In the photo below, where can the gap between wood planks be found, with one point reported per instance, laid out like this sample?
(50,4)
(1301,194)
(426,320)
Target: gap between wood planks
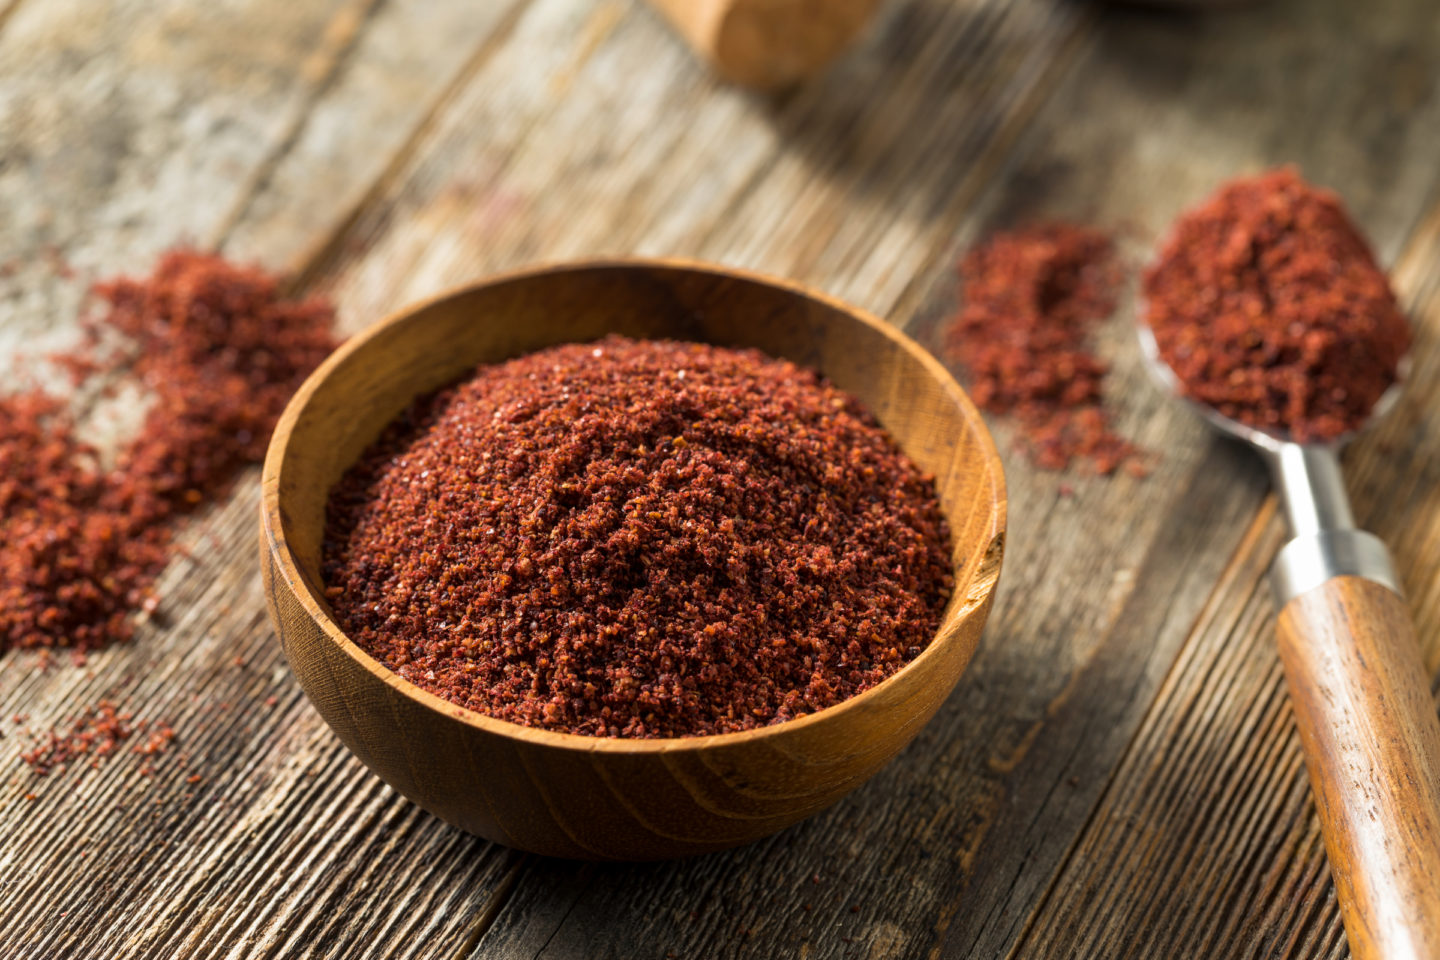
(518,862)
(326,255)
(1407,268)
(321,69)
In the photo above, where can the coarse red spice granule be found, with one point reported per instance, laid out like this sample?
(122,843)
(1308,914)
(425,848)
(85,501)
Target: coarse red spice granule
(638,539)
(1030,300)
(1267,303)
(220,351)
(158,742)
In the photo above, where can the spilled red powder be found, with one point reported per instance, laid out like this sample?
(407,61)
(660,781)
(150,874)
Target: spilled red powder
(94,735)
(158,741)
(1031,298)
(1267,303)
(220,351)
(639,539)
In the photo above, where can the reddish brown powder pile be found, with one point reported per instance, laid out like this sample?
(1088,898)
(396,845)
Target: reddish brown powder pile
(220,351)
(1267,303)
(1031,299)
(94,735)
(638,539)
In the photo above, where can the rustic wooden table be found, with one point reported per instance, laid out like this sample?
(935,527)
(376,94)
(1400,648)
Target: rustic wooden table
(1117,774)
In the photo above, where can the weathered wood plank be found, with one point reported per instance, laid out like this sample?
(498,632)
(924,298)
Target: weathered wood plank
(596,157)
(1208,836)
(409,63)
(127,128)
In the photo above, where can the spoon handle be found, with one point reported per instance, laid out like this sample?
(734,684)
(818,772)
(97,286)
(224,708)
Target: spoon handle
(1371,738)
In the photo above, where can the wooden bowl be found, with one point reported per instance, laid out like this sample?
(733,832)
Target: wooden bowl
(592,798)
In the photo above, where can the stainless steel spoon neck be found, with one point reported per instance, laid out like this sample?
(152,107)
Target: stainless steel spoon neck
(1307,477)
(1324,541)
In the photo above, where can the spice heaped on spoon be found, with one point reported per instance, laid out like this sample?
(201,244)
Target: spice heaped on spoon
(1268,305)
(1267,309)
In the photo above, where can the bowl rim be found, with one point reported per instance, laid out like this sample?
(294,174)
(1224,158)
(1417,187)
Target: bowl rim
(273,527)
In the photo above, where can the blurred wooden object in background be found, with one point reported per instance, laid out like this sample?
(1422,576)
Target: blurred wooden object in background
(768,44)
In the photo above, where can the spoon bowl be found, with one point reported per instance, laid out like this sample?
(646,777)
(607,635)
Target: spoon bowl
(573,796)
(1164,377)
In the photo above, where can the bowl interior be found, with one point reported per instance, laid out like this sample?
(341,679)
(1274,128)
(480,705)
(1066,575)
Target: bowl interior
(347,402)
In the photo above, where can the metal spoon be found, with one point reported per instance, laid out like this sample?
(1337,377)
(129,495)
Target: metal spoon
(1359,691)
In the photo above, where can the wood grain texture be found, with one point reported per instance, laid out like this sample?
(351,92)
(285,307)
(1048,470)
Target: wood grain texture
(128,127)
(1115,775)
(364,122)
(843,184)
(598,798)
(769,44)
(1361,699)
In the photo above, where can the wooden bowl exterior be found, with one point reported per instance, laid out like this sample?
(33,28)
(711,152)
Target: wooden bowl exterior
(591,798)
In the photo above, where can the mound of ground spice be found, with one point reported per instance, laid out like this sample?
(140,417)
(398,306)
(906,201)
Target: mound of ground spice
(220,351)
(1267,303)
(1031,298)
(638,539)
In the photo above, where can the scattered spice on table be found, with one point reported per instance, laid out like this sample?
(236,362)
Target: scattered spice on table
(220,350)
(1031,299)
(638,539)
(158,742)
(1269,306)
(94,735)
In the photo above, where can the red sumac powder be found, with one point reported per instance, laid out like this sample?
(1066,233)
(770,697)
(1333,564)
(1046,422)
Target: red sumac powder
(93,735)
(1031,298)
(220,351)
(638,539)
(1268,304)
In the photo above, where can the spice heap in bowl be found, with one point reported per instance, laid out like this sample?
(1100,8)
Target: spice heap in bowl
(638,539)
(630,560)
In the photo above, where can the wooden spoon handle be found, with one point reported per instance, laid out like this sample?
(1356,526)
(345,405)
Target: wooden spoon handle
(767,43)
(1372,746)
